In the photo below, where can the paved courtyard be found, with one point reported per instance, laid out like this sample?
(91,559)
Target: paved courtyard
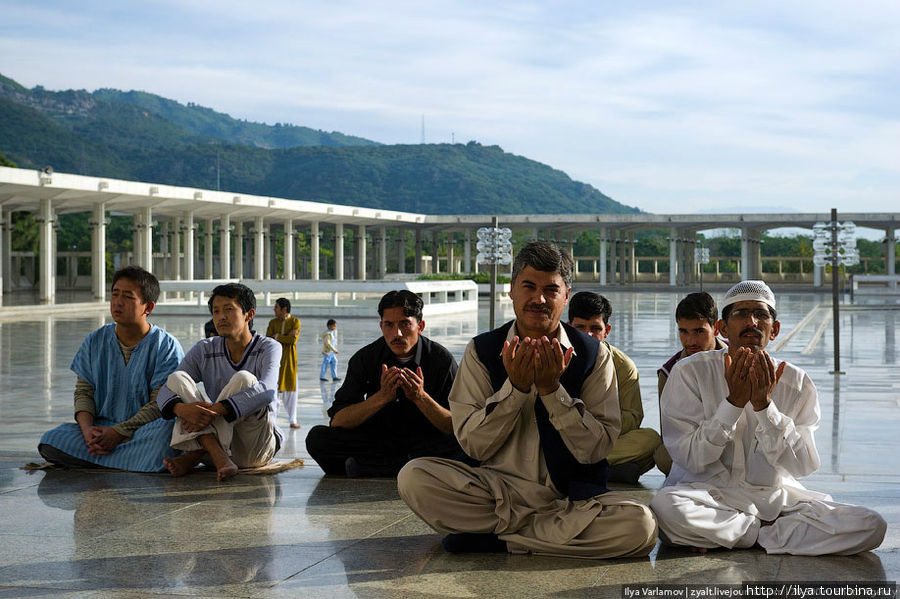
(299,534)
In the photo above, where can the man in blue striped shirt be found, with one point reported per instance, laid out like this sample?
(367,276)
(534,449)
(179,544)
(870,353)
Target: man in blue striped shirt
(240,369)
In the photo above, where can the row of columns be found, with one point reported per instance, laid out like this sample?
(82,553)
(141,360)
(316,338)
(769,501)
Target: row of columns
(178,244)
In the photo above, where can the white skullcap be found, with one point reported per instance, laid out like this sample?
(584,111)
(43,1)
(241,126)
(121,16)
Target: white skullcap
(749,291)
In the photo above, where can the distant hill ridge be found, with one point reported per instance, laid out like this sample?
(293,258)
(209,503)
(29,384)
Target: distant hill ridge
(142,136)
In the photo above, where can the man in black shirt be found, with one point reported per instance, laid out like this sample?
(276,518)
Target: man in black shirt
(393,404)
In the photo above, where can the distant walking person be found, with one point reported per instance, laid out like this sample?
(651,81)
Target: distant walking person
(285,329)
(120,367)
(329,351)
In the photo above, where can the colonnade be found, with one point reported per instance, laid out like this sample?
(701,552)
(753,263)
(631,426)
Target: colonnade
(181,247)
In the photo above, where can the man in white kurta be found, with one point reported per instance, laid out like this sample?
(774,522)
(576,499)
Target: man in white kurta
(739,425)
(500,409)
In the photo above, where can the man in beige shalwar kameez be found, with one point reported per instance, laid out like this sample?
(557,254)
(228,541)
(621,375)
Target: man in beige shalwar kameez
(535,401)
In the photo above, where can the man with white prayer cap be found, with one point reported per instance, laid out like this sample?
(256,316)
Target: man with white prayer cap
(739,425)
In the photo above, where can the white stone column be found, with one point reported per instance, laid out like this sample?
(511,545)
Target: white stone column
(314,238)
(467,251)
(632,259)
(4,267)
(673,257)
(208,249)
(163,251)
(267,252)
(98,252)
(603,252)
(176,247)
(47,259)
(136,244)
(259,249)
(435,261)
(401,251)
(289,250)
(418,267)
(451,254)
(891,255)
(339,251)
(147,238)
(225,246)
(188,230)
(239,249)
(361,253)
(382,252)
(746,257)
(6,251)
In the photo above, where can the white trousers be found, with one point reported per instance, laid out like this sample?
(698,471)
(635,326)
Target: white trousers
(699,517)
(187,389)
(289,399)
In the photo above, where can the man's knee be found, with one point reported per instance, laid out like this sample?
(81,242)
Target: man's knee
(318,439)
(182,385)
(243,379)
(409,477)
(646,530)
(663,505)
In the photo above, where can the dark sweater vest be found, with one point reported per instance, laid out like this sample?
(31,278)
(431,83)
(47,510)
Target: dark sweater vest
(572,478)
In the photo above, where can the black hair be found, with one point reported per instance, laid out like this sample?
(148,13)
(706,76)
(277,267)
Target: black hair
(403,298)
(587,305)
(700,305)
(330,322)
(236,291)
(284,303)
(545,257)
(145,280)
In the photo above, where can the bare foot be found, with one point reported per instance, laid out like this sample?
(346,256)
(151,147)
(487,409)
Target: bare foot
(295,425)
(700,550)
(226,471)
(182,464)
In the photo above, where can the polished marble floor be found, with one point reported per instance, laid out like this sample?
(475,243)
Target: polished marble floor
(299,534)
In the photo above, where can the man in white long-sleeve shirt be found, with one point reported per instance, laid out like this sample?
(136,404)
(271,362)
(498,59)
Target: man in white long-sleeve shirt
(739,426)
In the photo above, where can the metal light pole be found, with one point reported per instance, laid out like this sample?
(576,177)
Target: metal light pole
(835,302)
(835,242)
(494,247)
(495,221)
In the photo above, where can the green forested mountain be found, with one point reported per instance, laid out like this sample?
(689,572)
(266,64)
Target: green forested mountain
(136,135)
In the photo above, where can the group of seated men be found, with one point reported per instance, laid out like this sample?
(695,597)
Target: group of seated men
(511,451)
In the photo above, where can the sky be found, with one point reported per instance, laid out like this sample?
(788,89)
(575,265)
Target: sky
(672,107)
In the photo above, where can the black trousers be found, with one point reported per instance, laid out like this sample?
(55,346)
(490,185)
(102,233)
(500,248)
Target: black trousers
(378,455)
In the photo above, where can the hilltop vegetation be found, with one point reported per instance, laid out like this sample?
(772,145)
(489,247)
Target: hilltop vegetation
(141,136)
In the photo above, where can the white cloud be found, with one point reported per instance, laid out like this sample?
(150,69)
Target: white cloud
(756,104)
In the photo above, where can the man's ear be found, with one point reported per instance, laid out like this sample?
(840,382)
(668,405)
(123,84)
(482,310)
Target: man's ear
(148,308)
(608,329)
(716,328)
(776,328)
(720,328)
(421,325)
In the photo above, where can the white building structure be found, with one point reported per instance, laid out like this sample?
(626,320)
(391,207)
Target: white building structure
(181,223)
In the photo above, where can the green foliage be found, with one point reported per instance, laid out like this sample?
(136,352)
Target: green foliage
(136,135)
(4,161)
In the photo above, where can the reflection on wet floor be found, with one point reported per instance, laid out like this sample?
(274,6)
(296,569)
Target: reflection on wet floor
(68,534)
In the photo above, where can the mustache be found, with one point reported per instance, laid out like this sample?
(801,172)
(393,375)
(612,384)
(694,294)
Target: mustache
(752,330)
(537,308)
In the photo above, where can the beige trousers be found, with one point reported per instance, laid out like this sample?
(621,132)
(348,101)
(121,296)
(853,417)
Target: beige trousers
(452,497)
(250,441)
